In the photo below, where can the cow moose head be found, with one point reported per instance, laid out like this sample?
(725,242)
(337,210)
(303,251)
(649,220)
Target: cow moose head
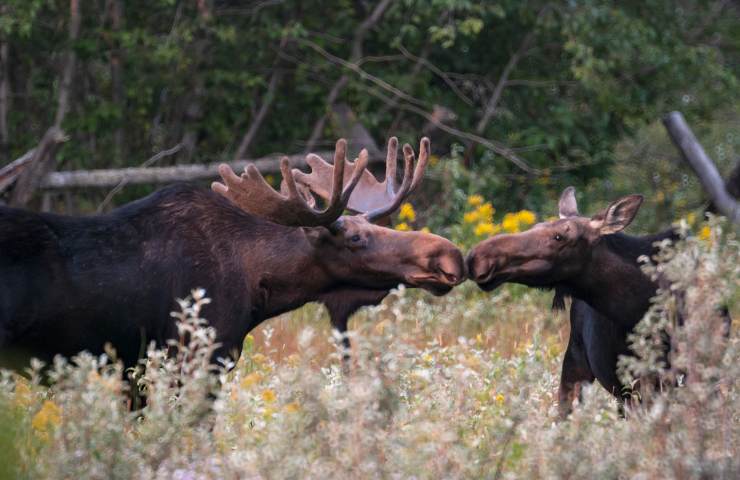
(549,252)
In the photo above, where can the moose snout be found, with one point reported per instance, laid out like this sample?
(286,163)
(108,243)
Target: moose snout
(479,267)
(451,267)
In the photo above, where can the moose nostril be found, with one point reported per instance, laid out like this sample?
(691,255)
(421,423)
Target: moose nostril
(478,268)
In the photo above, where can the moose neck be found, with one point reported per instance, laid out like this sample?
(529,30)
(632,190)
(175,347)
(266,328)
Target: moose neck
(613,283)
(284,273)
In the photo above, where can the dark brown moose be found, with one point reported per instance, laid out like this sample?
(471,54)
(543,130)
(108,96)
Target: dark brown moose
(590,260)
(74,283)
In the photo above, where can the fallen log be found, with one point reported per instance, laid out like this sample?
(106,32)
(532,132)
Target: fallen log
(108,178)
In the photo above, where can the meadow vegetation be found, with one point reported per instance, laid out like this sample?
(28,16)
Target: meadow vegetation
(461,386)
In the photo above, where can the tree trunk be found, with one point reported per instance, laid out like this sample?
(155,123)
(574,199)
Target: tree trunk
(44,158)
(116,72)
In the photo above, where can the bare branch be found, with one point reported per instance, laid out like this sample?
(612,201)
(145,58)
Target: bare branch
(41,162)
(10,173)
(424,61)
(499,89)
(504,151)
(124,181)
(703,166)
(354,59)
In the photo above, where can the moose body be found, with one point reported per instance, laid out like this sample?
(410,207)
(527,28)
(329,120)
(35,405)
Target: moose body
(72,284)
(591,261)
(75,283)
(601,321)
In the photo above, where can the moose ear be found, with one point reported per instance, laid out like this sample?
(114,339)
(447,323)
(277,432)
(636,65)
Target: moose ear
(618,215)
(317,236)
(567,206)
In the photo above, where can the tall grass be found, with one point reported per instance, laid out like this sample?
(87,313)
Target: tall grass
(462,386)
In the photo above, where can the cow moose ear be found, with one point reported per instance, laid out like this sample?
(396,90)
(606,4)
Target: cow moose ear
(618,215)
(567,206)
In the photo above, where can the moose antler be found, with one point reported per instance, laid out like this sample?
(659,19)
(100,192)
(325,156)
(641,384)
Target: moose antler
(293,205)
(372,198)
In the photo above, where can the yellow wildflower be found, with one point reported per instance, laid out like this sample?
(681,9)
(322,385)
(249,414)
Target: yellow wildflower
(475,200)
(484,228)
(499,399)
(426,230)
(269,396)
(526,217)
(251,379)
(510,223)
(403,227)
(292,407)
(705,233)
(267,413)
(433,160)
(485,212)
(407,213)
(471,217)
(50,415)
(691,218)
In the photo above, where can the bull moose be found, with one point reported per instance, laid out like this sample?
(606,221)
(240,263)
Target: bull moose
(74,283)
(590,260)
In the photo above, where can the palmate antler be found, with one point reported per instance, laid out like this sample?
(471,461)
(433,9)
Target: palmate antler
(253,194)
(372,198)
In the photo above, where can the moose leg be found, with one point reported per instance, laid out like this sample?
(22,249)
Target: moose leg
(576,368)
(342,304)
(575,372)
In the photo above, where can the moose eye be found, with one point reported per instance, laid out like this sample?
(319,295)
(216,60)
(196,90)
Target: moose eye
(354,238)
(558,237)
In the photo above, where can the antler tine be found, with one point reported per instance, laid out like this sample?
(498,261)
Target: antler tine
(336,205)
(295,206)
(391,160)
(400,195)
(421,165)
(359,170)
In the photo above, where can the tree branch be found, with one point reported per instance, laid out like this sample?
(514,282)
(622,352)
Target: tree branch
(354,59)
(702,165)
(267,101)
(124,181)
(504,151)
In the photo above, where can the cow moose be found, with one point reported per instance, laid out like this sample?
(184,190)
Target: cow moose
(590,260)
(69,284)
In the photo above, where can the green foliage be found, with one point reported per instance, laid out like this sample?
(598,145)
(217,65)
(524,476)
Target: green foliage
(591,73)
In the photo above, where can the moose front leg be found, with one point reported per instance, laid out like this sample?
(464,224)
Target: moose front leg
(341,304)
(575,372)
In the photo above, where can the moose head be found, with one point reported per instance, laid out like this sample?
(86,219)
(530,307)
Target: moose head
(549,252)
(351,249)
